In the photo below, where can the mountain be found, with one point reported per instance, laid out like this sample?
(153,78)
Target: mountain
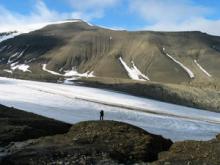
(73,49)
(173,57)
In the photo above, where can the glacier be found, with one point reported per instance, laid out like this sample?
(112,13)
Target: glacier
(74,103)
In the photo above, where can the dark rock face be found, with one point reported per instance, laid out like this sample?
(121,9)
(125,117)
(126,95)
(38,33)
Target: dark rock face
(91,48)
(93,142)
(192,153)
(16,125)
(123,142)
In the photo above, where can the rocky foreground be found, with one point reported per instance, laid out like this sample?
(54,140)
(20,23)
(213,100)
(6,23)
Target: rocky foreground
(30,139)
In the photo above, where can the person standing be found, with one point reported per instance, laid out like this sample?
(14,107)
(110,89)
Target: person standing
(101,115)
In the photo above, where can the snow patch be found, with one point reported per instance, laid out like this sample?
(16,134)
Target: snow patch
(139,72)
(133,72)
(69,73)
(29,61)
(12,56)
(89,23)
(44,67)
(202,69)
(74,73)
(3,48)
(22,67)
(189,72)
(112,28)
(9,36)
(15,56)
(32,27)
(73,104)
(8,71)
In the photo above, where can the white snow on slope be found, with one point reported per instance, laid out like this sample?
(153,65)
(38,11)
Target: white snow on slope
(44,67)
(12,56)
(15,57)
(202,69)
(75,76)
(32,27)
(37,26)
(6,37)
(29,61)
(68,103)
(74,73)
(133,72)
(8,71)
(139,72)
(189,72)
(69,73)
(3,48)
(22,67)
(112,28)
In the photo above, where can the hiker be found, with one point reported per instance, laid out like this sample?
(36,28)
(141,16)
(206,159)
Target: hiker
(101,115)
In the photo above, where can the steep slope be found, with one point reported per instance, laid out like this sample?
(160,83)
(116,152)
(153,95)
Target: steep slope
(191,152)
(178,57)
(28,141)
(92,142)
(17,125)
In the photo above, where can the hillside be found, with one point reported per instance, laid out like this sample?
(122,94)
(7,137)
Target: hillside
(17,125)
(178,57)
(94,142)
(77,49)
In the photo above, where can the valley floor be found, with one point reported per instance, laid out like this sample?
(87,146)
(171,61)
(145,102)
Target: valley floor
(72,104)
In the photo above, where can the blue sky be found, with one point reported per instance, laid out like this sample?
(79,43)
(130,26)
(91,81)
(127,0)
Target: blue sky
(160,15)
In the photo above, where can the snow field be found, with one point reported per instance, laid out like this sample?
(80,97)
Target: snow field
(71,104)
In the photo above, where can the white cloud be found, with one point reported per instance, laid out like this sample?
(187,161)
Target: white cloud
(167,10)
(86,5)
(197,24)
(161,15)
(12,20)
(89,9)
(172,15)
(84,9)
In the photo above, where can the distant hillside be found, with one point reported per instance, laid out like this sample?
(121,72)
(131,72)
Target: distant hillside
(74,49)
(168,57)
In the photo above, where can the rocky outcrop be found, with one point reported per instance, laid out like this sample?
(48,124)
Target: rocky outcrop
(16,125)
(93,142)
(192,153)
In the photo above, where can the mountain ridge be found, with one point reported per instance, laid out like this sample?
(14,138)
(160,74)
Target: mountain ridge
(89,47)
(68,51)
